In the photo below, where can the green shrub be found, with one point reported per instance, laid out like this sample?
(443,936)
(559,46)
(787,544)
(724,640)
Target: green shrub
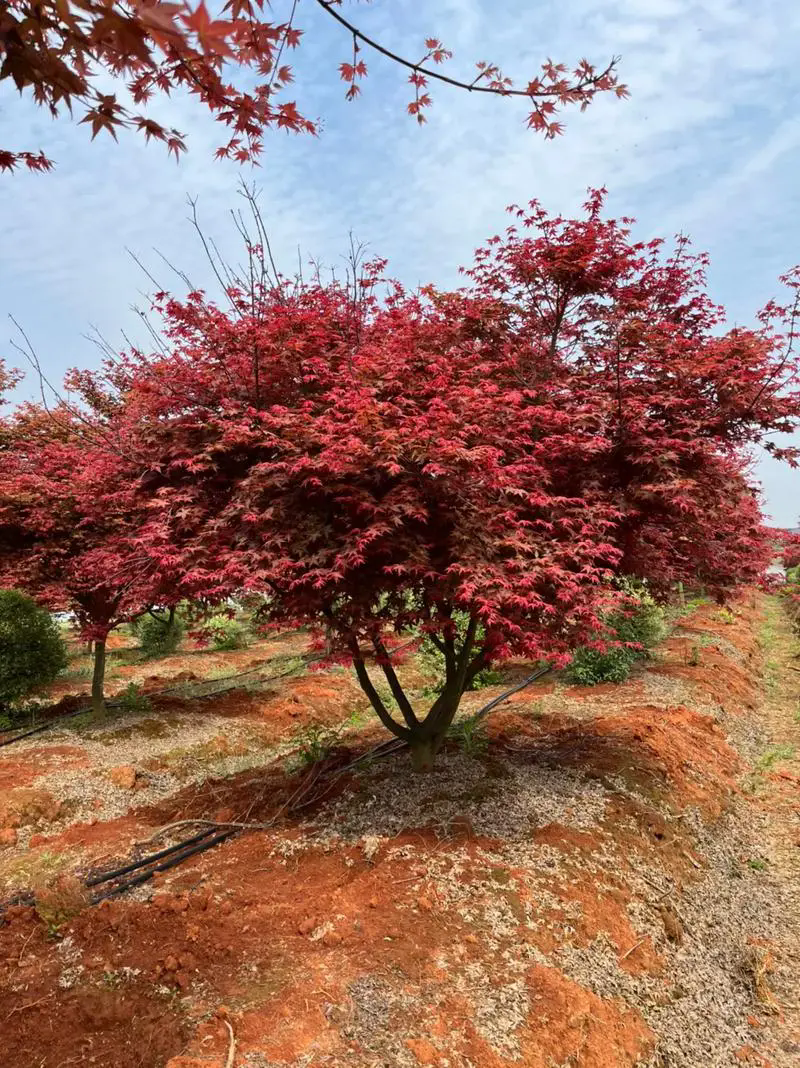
(226,633)
(315,742)
(32,651)
(157,635)
(590,666)
(643,626)
(133,700)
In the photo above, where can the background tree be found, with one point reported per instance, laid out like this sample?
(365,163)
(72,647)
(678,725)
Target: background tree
(63,54)
(8,379)
(32,651)
(67,524)
(672,401)
(791,550)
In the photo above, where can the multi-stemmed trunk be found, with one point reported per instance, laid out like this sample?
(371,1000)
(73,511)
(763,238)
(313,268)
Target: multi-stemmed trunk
(424,736)
(432,732)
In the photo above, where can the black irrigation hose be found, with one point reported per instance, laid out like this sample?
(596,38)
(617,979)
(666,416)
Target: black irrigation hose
(95,880)
(509,693)
(171,689)
(177,856)
(189,847)
(43,726)
(153,693)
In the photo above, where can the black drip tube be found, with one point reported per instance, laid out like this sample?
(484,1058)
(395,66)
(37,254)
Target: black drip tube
(175,856)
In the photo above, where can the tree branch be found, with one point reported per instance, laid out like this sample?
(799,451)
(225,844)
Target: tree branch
(394,684)
(586,84)
(466,650)
(374,697)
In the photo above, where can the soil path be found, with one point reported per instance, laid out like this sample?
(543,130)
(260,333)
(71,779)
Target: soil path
(777,791)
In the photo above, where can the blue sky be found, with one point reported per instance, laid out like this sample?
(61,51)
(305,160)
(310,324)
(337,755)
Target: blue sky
(708,143)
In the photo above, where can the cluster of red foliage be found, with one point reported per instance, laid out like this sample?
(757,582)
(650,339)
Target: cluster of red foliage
(64,53)
(477,466)
(790,549)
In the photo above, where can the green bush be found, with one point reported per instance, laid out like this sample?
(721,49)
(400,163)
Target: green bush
(226,633)
(645,625)
(157,636)
(642,626)
(133,700)
(589,667)
(32,651)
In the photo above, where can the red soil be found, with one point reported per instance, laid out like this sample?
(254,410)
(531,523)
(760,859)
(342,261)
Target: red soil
(36,762)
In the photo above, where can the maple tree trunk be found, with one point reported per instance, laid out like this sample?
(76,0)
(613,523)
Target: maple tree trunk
(170,623)
(424,750)
(98,680)
(423,754)
(428,739)
(424,738)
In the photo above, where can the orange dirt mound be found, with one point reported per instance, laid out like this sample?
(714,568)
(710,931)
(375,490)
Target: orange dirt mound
(673,754)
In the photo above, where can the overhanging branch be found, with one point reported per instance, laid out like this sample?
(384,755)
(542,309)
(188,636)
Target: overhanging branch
(585,85)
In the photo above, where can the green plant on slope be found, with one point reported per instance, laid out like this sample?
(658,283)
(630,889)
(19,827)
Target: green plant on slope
(471,737)
(133,700)
(159,635)
(636,630)
(774,755)
(315,742)
(32,651)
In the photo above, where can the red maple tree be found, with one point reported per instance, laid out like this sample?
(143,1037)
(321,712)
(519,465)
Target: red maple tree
(67,524)
(673,401)
(8,379)
(790,549)
(381,465)
(476,467)
(63,54)
(350,459)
